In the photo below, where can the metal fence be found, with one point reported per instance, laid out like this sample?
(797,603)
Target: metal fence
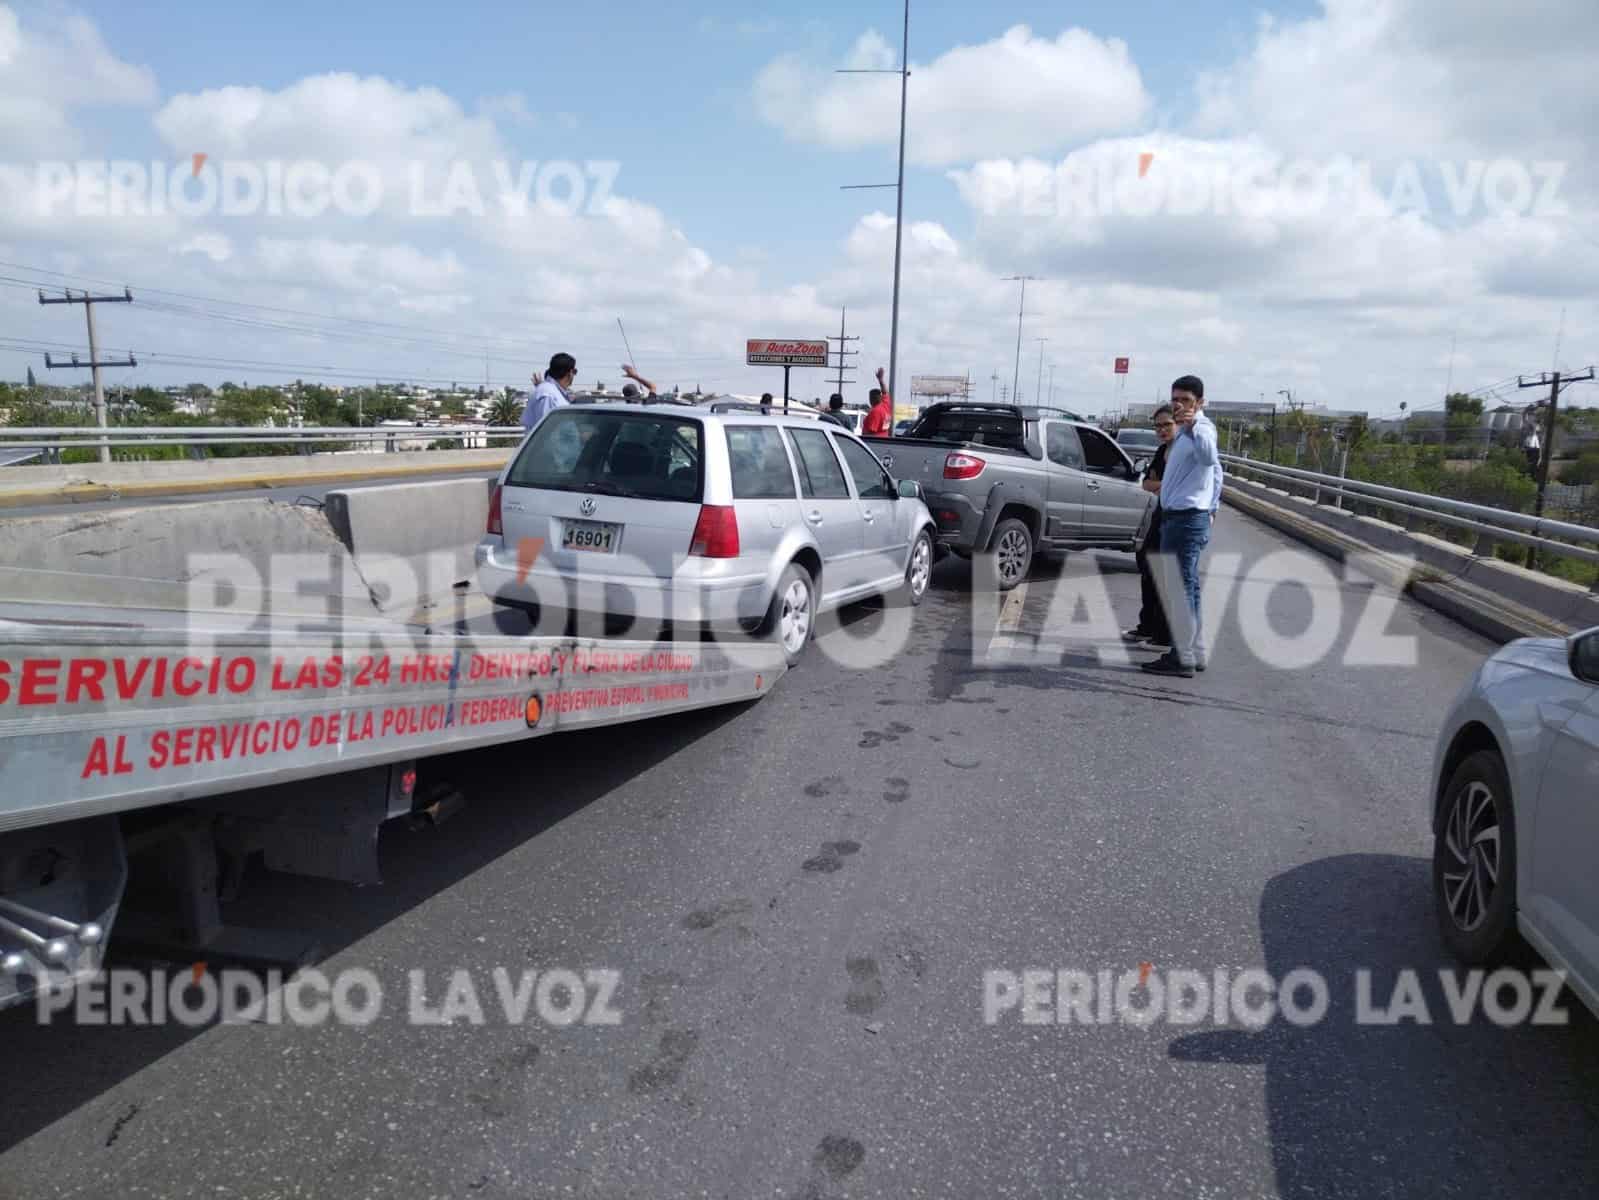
(1489,524)
(50,440)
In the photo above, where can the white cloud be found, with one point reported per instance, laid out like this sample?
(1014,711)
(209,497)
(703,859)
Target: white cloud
(213,245)
(1343,306)
(1016,94)
(46,73)
(1415,79)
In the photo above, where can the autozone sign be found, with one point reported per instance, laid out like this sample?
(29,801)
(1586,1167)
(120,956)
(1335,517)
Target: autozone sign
(769,352)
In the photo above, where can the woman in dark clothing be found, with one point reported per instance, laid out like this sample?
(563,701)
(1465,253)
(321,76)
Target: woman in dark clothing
(1152,628)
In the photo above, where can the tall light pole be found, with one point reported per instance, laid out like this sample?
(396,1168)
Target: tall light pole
(904,73)
(1038,387)
(1020,308)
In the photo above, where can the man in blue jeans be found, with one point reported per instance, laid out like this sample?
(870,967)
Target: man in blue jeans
(1189,492)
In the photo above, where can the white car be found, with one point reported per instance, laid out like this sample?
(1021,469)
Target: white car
(717,516)
(1514,807)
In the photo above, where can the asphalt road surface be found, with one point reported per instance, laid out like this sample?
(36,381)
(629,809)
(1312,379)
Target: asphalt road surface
(800,899)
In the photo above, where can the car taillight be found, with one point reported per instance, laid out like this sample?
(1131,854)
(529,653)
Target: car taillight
(715,533)
(963,466)
(496,525)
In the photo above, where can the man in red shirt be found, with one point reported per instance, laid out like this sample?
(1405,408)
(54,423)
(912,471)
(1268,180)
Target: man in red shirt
(880,421)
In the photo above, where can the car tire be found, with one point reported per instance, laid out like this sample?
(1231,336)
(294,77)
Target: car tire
(1012,550)
(919,570)
(1474,862)
(791,621)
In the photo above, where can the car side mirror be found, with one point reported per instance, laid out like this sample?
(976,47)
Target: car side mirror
(909,489)
(1584,655)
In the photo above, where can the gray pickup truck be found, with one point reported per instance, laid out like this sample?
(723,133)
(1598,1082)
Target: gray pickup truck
(1018,480)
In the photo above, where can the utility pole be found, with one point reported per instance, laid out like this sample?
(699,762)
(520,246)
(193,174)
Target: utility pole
(843,351)
(904,73)
(993,387)
(1038,387)
(95,363)
(1020,308)
(1554,380)
(1004,394)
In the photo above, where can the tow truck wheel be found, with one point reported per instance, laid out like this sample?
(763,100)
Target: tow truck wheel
(1013,552)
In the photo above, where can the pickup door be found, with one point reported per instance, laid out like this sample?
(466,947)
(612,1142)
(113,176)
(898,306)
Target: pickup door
(1067,483)
(1113,503)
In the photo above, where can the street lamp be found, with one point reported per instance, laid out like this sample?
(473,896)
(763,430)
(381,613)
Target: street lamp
(1020,308)
(904,74)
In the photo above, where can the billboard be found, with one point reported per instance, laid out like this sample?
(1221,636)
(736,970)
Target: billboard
(773,352)
(938,385)
(1122,364)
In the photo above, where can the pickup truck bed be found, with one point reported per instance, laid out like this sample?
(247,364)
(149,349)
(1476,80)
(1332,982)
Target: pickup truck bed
(1028,480)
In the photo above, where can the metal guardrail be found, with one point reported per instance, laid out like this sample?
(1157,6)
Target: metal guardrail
(1493,524)
(74,437)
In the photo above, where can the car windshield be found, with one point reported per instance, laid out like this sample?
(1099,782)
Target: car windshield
(646,456)
(1138,439)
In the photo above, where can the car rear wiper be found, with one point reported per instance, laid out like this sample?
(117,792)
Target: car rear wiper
(607,488)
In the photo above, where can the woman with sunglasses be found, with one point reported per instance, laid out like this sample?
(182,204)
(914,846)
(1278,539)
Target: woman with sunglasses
(1152,629)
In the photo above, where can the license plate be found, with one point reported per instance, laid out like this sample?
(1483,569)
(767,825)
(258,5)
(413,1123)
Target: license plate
(594,536)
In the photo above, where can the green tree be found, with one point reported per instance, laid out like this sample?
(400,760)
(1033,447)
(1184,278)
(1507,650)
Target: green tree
(505,411)
(153,402)
(1584,470)
(1462,417)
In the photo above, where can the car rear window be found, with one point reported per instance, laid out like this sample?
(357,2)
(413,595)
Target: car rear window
(983,428)
(649,456)
(761,470)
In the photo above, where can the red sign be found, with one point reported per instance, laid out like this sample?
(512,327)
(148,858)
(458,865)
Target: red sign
(771,352)
(1122,364)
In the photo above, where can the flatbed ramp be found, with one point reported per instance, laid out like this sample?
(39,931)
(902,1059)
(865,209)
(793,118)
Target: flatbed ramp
(295,745)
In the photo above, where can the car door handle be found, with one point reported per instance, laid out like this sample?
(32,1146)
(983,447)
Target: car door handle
(868,517)
(814,517)
(1093,485)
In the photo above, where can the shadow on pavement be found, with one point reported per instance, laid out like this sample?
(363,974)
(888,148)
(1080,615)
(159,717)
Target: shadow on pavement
(1410,1109)
(66,1065)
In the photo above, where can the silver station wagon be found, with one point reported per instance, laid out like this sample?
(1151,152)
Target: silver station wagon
(714,517)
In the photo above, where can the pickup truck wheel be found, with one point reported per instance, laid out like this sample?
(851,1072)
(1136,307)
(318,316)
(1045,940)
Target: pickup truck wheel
(1013,552)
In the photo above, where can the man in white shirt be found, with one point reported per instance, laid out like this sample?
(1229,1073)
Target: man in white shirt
(555,392)
(1190,489)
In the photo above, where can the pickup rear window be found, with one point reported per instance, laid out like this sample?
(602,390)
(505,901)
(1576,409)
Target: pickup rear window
(982,428)
(647,456)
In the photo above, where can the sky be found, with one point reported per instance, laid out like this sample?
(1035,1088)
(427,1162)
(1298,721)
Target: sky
(1361,203)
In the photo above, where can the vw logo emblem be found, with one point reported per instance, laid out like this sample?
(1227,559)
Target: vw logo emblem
(887,460)
(587,507)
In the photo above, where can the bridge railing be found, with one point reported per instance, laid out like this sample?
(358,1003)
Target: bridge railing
(74,437)
(1488,523)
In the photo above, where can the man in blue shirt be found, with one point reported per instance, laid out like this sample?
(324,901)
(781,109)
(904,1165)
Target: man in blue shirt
(1190,489)
(555,392)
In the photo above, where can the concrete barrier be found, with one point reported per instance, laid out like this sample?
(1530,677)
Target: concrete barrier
(242,557)
(29,485)
(1498,599)
(434,527)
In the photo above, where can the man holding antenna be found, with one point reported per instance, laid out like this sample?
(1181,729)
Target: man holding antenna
(631,393)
